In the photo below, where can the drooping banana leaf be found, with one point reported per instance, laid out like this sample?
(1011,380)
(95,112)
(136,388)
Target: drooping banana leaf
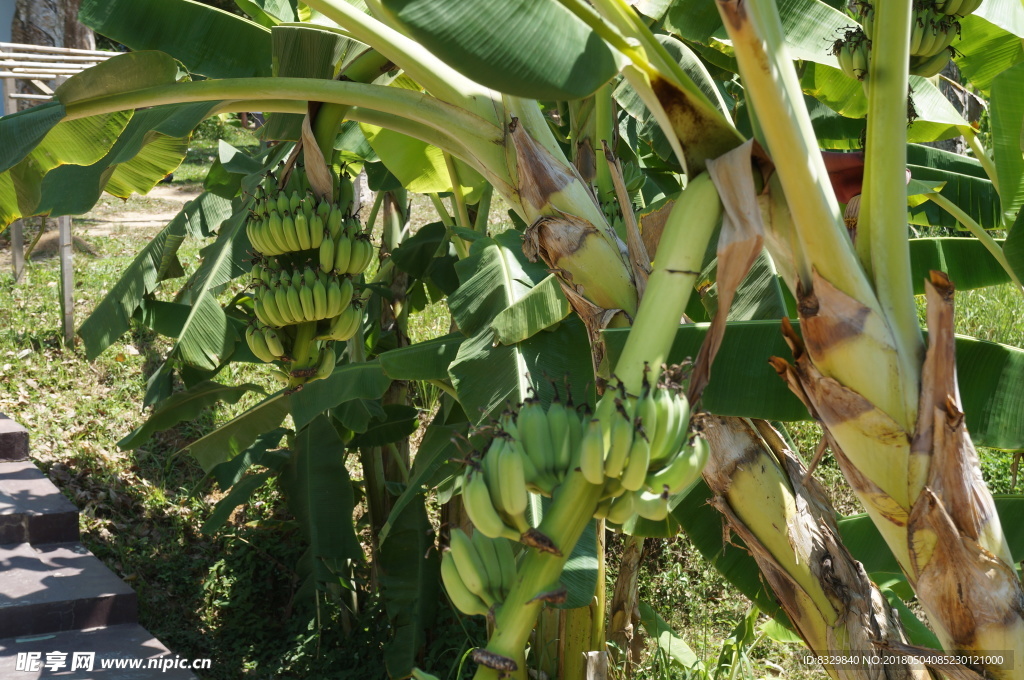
(77,159)
(410,578)
(427,360)
(112,316)
(419,166)
(319,493)
(989,51)
(186,405)
(264,451)
(239,433)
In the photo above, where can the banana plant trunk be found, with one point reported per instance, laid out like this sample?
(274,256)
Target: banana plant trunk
(890,405)
(788,524)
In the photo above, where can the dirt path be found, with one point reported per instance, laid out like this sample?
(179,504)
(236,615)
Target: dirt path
(152,211)
(110,216)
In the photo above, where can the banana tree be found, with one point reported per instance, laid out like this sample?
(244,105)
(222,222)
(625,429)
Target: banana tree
(473,96)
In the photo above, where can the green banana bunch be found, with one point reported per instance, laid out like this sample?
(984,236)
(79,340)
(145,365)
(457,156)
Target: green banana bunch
(932,31)
(477,572)
(344,249)
(549,441)
(958,7)
(485,491)
(853,53)
(290,219)
(927,67)
(264,342)
(934,27)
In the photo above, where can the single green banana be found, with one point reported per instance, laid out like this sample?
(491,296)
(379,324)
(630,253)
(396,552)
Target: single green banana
(916,33)
(276,232)
(621,443)
(592,453)
(928,67)
(561,439)
(664,425)
(342,254)
(461,596)
(635,472)
(470,565)
(492,567)
(622,508)
(294,304)
(319,301)
(651,506)
(681,471)
(308,207)
(272,340)
(328,360)
(302,231)
(334,306)
(316,231)
(335,221)
(344,325)
(512,485)
(272,306)
(308,305)
(535,438)
(288,229)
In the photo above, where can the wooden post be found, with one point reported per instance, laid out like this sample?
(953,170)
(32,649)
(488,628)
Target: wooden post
(67,278)
(597,665)
(17,250)
(10,106)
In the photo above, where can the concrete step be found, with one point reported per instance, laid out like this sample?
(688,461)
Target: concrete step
(13,440)
(113,644)
(57,587)
(32,510)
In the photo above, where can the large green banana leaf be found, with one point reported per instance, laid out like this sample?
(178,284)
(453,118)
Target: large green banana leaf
(1007,109)
(538,50)
(964,183)
(206,40)
(487,374)
(743,384)
(74,160)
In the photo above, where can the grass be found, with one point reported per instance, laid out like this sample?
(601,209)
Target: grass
(234,597)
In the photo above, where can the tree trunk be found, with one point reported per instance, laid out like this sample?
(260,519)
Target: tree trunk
(51,23)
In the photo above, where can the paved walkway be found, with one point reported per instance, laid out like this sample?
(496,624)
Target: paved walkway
(58,603)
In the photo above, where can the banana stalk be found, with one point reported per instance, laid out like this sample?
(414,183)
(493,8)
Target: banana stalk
(538,573)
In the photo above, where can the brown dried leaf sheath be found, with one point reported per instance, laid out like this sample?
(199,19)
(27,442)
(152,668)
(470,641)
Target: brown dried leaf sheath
(824,570)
